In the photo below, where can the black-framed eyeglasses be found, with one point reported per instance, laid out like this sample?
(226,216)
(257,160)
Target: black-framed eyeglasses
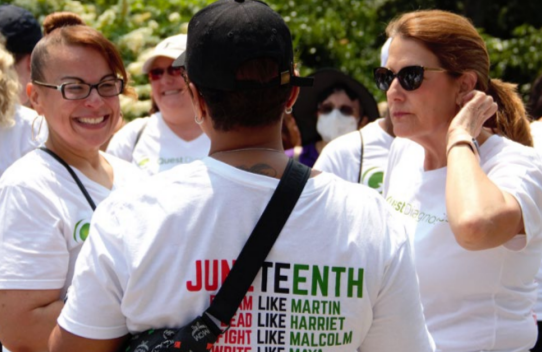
(410,77)
(326,108)
(76,91)
(157,73)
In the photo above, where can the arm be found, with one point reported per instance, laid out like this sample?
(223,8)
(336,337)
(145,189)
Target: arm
(27,318)
(481,215)
(63,341)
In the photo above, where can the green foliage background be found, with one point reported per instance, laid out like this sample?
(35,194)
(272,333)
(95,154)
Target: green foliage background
(345,34)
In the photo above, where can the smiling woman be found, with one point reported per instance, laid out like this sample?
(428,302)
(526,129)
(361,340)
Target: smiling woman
(170,133)
(47,197)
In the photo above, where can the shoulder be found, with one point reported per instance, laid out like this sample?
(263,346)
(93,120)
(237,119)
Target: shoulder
(33,173)
(133,127)
(123,170)
(345,145)
(25,115)
(498,150)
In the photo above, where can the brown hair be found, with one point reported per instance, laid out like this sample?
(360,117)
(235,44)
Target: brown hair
(459,48)
(66,28)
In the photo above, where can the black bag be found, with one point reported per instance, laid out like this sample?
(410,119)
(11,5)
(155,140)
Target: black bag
(196,336)
(203,332)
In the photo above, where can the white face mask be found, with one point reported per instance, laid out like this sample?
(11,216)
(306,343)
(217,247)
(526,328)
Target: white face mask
(335,124)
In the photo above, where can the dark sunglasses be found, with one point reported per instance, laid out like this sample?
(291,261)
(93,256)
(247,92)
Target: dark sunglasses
(410,77)
(157,73)
(328,107)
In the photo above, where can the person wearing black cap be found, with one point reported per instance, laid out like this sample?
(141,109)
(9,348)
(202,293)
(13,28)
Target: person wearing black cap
(340,273)
(22,33)
(337,104)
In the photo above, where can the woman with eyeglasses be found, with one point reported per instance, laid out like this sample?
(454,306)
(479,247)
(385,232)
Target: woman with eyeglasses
(466,181)
(47,197)
(335,105)
(170,136)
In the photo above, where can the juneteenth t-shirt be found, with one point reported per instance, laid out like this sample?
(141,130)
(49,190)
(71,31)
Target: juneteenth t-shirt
(339,277)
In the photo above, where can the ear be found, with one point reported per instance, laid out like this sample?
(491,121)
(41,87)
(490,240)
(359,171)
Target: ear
(293,97)
(200,107)
(467,82)
(35,98)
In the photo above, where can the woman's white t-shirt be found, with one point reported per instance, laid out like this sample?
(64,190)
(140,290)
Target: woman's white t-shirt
(342,156)
(45,219)
(473,300)
(158,147)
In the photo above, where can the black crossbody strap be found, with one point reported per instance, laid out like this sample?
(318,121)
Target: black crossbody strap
(72,173)
(260,242)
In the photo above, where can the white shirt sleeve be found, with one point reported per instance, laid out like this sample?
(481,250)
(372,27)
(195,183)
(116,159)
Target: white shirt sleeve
(93,308)
(399,297)
(32,245)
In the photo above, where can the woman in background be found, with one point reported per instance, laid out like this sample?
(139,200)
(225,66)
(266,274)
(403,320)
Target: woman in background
(170,136)
(337,104)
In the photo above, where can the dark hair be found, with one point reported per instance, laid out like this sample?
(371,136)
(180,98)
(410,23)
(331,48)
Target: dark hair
(460,48)
(334,89)
(535,99)
(66,28)
(248,108)
(339,87)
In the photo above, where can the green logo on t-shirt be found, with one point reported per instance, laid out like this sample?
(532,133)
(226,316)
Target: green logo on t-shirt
(143,162)
(373,178)
(80,232)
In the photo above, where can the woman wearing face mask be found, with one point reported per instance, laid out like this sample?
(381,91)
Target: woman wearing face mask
(170,136)
(47,197)
(337,104)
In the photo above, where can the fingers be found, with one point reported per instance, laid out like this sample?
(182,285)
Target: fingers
(477,108)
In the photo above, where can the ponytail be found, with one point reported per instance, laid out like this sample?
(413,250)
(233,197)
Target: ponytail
(511,118)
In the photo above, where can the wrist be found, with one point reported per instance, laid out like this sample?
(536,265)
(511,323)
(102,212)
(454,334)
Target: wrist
(463,138)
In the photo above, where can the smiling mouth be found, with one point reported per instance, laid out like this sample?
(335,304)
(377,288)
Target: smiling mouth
(171,92)
(91,120)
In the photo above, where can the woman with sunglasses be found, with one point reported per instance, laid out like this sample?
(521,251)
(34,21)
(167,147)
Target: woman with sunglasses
(335,105)
(466,181)
(47,197)
(170,136)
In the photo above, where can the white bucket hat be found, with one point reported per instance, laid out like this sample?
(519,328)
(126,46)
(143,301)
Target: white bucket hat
(171,47)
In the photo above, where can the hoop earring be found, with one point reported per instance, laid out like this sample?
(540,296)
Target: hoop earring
(199,122)
(288,110)
(34,136)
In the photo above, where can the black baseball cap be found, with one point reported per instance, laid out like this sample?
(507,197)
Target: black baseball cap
(228,33)
(21,30)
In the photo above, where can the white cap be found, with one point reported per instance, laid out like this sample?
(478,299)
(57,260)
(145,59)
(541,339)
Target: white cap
(384,52)
(171,47)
